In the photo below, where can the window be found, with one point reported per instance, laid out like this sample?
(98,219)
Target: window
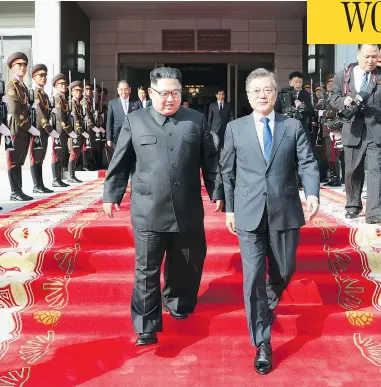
(13,44)
(81,62)
(311,58)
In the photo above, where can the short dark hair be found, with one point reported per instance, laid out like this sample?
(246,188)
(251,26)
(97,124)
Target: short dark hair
(220,89)
(142,88)
(165,72)
(360,45)
(122,81)
(295,74)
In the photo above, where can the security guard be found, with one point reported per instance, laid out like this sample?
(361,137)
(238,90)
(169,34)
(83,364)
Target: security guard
(19,123)
(75,145)
(42,109)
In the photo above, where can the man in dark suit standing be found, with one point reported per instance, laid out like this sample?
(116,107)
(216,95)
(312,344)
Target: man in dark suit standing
(361,135)
(220,113)
(117,110)
(143,101)
(164,147)
(263,207)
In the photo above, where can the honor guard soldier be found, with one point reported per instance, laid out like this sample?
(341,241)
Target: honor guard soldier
(61,123)
(42,117)
(75,145)
(89,145)
(19,123)
(106,154)
(99,120)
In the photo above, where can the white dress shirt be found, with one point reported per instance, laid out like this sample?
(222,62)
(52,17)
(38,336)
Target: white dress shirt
(125,103)
(358,74)
(220,105)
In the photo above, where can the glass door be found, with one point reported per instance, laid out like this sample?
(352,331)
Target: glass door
(232,88)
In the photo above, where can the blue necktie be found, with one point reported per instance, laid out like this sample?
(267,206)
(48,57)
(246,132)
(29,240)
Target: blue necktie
(267,138)
(364,84)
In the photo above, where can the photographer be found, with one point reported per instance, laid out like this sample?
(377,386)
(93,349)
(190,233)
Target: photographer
(329,123)
(296,102)
(357,95)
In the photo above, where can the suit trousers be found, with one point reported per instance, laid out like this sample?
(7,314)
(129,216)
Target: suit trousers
(260,295)
(185,255)
(355,175)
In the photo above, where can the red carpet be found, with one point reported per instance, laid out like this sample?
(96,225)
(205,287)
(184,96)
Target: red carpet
(66,274)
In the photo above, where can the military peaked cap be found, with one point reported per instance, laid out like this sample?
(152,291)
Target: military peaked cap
(17,57)
(75,84)
(39,69)
(59,77)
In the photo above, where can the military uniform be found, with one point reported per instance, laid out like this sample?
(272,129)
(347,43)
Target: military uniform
(90,145)
(62,126)
(76,144)
(19,125)
(37,155)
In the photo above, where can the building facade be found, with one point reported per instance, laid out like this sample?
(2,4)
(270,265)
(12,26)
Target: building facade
(215,45)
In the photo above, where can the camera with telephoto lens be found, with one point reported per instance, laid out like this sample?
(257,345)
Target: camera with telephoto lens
(356,108)
(287,97)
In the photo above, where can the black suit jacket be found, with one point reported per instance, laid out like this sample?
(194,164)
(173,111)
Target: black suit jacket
(149,103)
(217,121)
(165,160)
(115,117)
(352,131)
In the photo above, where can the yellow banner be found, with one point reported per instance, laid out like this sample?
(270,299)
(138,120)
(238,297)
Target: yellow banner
(343,22)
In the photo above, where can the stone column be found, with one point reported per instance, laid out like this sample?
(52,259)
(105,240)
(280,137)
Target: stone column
(46,44)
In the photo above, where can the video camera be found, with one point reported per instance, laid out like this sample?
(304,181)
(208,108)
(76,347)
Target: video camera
(357,107)
(287,96)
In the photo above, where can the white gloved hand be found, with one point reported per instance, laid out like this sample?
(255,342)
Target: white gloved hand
(102,130)
(96,130)
(54,134)
(73,135)
(4,130)
(86,135)
(33,131)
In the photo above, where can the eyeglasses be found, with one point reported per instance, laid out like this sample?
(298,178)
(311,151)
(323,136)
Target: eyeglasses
(165,94)
(61,83)
(256,92)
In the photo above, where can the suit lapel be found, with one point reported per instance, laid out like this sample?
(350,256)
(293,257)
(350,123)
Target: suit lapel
(351,85)
(252,135)
(120,106)
(279,131)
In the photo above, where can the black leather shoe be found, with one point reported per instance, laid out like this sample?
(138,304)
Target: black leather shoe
(352,214)
(147,339)
(373,219)
(47,190)
(59,183)
(20,197)
(73,179)
(178,315)
(263,359)
(38,189)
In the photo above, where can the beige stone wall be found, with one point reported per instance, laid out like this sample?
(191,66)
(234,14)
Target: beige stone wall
(110,37)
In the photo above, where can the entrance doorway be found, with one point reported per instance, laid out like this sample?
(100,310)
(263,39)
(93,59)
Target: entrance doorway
(203,75)
(201,83)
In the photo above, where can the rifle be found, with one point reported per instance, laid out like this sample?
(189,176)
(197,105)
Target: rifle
(8,142)
(84,113)
(37,143)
